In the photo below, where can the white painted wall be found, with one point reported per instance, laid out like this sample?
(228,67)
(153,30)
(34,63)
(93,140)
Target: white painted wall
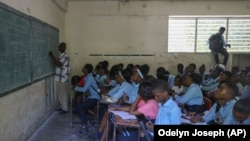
(136,27)
(23,111)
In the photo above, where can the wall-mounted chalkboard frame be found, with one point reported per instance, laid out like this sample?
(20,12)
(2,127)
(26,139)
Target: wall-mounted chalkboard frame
(24,45)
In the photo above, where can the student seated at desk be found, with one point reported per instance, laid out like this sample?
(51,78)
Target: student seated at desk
(128,98)
(137,77)
(78,96)
(124,85)
(222,111)
(203,73)
(215,72)
(210,90)
(241,83)
(100,75)
(192,99)
(92,99)
(241,112)
(178,87)
(145,108)
(110,80)
(163,74)
(169,112)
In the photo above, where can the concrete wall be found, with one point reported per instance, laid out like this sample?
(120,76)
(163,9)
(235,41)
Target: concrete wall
(241,60)
(136,27)
(23,111)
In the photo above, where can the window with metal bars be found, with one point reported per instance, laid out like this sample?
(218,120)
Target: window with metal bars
(190,34)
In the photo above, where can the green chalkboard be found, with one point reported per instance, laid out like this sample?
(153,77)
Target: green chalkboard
(24,45)
(44,38)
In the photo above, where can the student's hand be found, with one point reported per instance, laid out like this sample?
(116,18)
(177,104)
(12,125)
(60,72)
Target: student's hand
(150,126)
(196,119)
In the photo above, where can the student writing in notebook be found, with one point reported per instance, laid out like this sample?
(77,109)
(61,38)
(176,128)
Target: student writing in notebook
(169,112)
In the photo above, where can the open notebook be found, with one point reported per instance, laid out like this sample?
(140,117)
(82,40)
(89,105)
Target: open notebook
(123,114)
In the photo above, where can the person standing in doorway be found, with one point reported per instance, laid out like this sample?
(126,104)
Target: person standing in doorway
(217,46)
(62,77)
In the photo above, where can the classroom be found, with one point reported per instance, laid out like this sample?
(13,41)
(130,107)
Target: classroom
(119,31)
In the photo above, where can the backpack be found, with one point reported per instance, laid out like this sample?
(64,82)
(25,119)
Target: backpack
(215,42)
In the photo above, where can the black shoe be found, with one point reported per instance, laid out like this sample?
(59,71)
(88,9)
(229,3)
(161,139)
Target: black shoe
(63,112)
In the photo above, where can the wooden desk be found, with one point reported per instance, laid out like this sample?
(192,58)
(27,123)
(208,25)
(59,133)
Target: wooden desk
(101,101)
(132,123)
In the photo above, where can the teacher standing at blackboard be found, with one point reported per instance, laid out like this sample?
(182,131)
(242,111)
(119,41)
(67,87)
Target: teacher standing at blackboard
(62,77)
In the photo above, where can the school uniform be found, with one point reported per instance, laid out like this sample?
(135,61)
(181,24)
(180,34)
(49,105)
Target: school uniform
(178,90)
(193,98)
(240,86)
(169,113)
(100,80)
(224,114)
(212,87)
(132,95)
(118,91)
(246,92)
(113,83)
(204,77)
(91,101)
(171,80)
(210,82)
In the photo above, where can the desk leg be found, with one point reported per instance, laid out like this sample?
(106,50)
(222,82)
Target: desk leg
(97,116)
(114,132)
(107,128)
(71,114)
(139,134)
